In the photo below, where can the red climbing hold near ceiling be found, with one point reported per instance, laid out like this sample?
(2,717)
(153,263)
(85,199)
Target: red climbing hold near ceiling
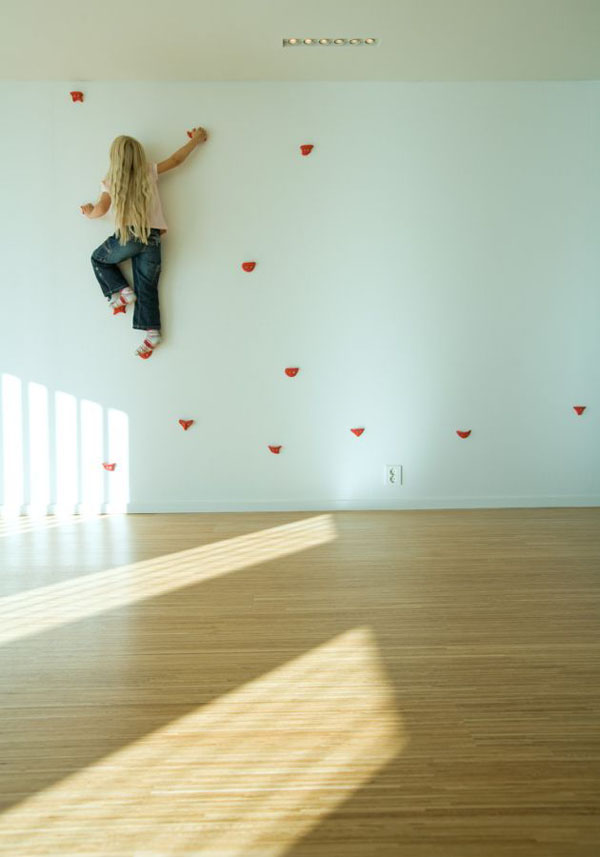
(109,466)
(357,431)
(463,433)
(307,148)
(76,96)
(185,424)
(579,409)
(291,371)
(275,449)
(248,266)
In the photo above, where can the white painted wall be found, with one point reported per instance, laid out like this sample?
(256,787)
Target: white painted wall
(433,265)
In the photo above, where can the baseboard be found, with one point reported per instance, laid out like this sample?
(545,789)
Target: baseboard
(365,505)
(322,505)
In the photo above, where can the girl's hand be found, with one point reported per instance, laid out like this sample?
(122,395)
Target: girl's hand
(199,135)
(87,209)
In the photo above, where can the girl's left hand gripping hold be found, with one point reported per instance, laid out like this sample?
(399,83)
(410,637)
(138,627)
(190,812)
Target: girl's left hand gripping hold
(87,209)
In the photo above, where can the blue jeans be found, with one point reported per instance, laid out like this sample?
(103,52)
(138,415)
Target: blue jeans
(145,263)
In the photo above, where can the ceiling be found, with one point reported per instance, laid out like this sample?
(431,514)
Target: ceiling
(79,40)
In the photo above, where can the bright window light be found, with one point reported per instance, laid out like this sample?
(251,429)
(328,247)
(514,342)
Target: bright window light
(12,444)
(67,489)
(92,473)
(39,450)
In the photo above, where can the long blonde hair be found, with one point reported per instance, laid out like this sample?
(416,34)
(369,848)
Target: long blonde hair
(131,189)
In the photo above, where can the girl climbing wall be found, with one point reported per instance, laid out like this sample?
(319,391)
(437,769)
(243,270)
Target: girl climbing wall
(130,186)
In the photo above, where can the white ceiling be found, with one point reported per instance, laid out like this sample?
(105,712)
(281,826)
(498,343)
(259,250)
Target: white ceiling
(78,40)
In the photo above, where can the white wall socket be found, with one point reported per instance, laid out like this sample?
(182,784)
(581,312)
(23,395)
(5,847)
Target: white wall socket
(393,474)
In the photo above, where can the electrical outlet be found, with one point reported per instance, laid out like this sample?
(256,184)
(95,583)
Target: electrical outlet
(393,474)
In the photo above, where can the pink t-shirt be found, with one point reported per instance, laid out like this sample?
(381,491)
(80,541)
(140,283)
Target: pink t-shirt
(157,218)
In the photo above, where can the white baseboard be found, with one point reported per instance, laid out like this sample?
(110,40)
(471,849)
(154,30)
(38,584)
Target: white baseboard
(365,505)
(325,505)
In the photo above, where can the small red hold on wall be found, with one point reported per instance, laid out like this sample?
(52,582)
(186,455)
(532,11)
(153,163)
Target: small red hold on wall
(307,148)
(357,431)
(275,449)
(248,266)
(292,371)
(109,466)
(76,96)
(185,424)
(579,409)
(463,433)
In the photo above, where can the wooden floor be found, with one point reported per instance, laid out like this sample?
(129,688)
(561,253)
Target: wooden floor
(348,684)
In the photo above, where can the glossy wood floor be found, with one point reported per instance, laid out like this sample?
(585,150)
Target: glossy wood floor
(354,684)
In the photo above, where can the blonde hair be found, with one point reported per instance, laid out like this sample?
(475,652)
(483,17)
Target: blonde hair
(131,189)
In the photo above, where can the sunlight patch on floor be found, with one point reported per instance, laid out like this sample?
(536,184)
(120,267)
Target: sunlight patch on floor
(46,607)
(248,774)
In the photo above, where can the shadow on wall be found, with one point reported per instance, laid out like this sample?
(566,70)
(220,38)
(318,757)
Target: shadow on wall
(53,450)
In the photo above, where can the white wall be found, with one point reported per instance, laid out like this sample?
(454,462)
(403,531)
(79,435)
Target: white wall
(433,265)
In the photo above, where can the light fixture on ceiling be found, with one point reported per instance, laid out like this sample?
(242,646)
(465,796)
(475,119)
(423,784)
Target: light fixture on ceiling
(310,41)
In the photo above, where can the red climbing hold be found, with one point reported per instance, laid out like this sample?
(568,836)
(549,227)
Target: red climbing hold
(307,149)
(76,96)
(275,449)
(357,431)
(185,424)
(190,134)
(109,466)
(292,371)
(463,433)
(579,409)
(248,266)
(118,309)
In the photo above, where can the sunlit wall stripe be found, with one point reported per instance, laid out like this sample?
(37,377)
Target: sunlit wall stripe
(12,444)
(39,449)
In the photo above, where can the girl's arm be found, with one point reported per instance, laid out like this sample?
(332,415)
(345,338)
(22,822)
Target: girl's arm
(180,155)
(98,210)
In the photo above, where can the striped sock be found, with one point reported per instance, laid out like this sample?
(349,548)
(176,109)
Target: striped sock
(119,300)
(152,339)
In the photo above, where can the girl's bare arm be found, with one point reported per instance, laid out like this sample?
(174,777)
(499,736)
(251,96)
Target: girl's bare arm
(98,210)
(178,157)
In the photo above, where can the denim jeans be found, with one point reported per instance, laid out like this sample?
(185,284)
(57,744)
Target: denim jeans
(145,263)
